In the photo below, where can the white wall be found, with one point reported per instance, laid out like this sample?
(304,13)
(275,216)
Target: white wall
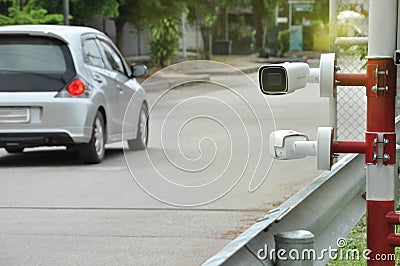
(191,39)
(130,46)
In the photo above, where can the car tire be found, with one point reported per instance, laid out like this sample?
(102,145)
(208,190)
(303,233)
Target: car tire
(142,135)
(93,152)
(14,149)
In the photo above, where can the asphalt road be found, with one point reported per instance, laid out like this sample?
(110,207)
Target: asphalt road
(166,205)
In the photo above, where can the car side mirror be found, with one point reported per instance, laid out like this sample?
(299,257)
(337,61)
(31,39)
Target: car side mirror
(138,70)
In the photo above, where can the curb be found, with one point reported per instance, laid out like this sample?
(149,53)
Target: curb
(246,70)
(169,81)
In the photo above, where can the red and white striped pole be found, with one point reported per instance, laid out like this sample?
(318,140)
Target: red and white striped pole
(380,136)
(379,146)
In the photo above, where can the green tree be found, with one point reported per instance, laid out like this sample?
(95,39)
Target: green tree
(131,11)
(263,11)
(23,12)
(164,40)
(151,14)
(321,11)
(144,15)
(206,13)
(82,11)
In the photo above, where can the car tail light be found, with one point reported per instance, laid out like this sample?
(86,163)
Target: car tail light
(76,87)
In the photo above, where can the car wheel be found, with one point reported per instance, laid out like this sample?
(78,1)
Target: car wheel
(93,152)
(142,136)
(14,149)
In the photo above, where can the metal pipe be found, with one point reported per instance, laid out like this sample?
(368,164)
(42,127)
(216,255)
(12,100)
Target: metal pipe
(300,241)
(351,79)
(393,217)
(382,28)
(305,148)
(394,240)
(343,146)
(344,41)
(183,21)
(66,11)
(333,113)
(332,24)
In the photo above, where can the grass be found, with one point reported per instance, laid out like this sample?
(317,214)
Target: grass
(357,240)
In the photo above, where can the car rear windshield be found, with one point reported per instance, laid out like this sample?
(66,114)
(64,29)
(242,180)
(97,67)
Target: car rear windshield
(32,63)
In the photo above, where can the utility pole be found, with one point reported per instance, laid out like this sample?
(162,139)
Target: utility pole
(183,21)
(66,11)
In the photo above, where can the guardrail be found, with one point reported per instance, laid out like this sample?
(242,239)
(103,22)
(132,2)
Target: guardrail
(329,207)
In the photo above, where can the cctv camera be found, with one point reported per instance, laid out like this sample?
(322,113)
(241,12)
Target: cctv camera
(283,78)
(282,144)
(290,144)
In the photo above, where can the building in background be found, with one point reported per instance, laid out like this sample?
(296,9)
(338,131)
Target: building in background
(133,44)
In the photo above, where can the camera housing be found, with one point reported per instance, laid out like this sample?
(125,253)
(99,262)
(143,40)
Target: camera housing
(283,78)
(282,144)
(290,144)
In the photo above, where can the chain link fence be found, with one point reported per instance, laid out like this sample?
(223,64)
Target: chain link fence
(352,21)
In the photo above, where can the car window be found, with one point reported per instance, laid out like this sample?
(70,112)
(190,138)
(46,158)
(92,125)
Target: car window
(34,63)
(31,54)
(92,53)
(112,57)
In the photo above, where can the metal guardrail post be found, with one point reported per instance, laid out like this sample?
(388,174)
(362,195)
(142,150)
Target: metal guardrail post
(294,248)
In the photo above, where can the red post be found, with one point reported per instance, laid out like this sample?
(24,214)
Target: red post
(380,136)
(380,158)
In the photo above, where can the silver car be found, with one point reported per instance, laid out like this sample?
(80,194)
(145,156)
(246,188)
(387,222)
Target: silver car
(68,86)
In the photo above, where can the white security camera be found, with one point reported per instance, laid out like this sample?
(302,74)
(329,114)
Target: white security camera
(283,78)
(290,144)
(288,77)
(283,144)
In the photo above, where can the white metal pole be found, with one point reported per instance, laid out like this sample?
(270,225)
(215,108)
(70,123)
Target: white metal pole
(332,24)
(227,24)
(183,19)
(66,11)
(196,26)
(333,113)
(290,24)
(332,37)
(383,36)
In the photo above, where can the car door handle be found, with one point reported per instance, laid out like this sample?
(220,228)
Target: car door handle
(121,90)
(98,79)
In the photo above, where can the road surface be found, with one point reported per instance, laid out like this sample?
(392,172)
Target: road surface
(57,211)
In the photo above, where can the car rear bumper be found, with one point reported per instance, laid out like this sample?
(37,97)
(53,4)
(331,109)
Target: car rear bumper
(27,140)
(51,121)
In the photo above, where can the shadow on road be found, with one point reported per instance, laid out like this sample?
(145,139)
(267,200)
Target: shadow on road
(53,157)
